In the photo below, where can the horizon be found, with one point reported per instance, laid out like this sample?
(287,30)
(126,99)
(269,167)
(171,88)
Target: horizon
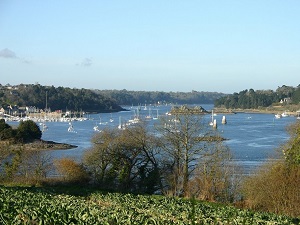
(169,46)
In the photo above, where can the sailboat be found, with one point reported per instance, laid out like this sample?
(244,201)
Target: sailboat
(111,119)
(71,128)
(278,116)
(96,128)
(121,126)
(155,118)
(149,116)
(284,114)
(44,126)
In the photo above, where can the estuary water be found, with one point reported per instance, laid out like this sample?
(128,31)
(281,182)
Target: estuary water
(252,137)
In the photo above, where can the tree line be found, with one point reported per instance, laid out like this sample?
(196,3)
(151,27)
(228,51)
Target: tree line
(59,98)
(251,99)
(126,97)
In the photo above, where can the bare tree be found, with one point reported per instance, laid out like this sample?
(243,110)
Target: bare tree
(216,177)
(36,165)
(181,148)
(98,160)
(193,154)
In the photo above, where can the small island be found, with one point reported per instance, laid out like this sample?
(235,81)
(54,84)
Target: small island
(28,135)
(47,145)
(176,110)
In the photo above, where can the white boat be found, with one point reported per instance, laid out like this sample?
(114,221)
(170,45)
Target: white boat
(111,119)
(121,126)
(155,118)
(149,117)
(284,114)
(44,127)
(96,128)
(278,116)
(71,128)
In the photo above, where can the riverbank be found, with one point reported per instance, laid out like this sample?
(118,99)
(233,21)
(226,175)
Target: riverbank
(290,110)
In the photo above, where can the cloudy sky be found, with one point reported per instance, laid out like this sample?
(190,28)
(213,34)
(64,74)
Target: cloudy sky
(158,45)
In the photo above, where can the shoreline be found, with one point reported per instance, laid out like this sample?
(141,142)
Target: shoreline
(42,145)
(48,145)
(256,111)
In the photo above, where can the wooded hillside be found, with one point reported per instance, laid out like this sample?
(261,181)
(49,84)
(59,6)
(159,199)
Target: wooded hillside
(125,97)
(60,98)
(251,99)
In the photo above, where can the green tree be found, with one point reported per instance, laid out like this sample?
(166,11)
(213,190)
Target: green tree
(291,150)
(124,160)
(99,159)
(28,131)
(6,131)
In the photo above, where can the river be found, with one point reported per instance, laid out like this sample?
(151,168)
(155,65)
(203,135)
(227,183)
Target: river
(252,137)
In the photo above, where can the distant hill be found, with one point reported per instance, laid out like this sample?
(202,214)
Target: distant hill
(251,99)
(64,98)
(125,97)
(60,98)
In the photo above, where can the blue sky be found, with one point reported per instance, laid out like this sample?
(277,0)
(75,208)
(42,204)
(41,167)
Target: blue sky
(158,45)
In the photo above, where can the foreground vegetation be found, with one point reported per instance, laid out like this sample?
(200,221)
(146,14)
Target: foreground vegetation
(62,206)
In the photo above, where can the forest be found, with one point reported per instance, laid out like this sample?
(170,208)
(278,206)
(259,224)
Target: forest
(251,99)
(64,98)
(60,98)
(125,97)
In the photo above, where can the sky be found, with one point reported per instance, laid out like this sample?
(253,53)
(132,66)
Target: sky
(159,45)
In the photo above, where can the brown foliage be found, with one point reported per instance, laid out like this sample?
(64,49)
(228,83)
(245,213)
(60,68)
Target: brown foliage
(71,171)
(216,178)
(275,188)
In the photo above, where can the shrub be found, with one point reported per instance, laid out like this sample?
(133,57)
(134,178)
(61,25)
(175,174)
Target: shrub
(275,188)
(71,171)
